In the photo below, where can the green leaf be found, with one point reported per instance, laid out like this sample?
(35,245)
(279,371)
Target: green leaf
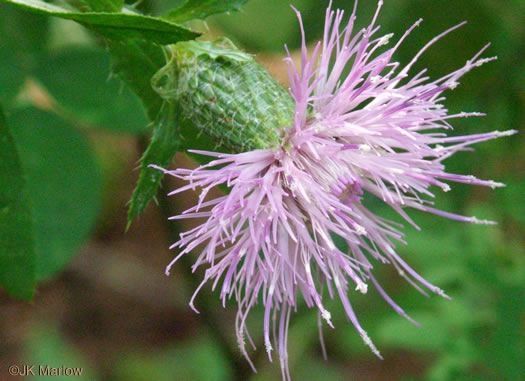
(166,141)
(115,25)
(200,9)
(78,79)
(104,5)
(135,62)
(164,144)
(22,37)
(64,182)
(17,253)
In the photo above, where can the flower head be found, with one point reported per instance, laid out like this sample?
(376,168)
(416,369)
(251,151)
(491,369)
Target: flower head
(361,124)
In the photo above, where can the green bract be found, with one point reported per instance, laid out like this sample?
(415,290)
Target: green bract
(226,94)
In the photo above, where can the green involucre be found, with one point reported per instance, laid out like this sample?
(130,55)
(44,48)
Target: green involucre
(226,94)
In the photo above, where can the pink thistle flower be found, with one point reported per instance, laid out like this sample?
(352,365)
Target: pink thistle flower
(373,130)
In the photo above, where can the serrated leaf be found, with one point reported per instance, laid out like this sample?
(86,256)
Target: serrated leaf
(165,142)
(78,79)
(118,26)
(135,62)
(200,9)
(17,252)
(65,186)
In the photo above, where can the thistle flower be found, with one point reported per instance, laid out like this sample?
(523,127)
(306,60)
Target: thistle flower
(360,124)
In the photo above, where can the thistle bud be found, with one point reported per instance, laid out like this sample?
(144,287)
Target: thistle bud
(226,94)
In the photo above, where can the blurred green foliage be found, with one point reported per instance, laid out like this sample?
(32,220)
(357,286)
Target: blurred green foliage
(17,255)
(64,183)
(102,101)
(48,348)
(22,39)
(478,335)
(200,359)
